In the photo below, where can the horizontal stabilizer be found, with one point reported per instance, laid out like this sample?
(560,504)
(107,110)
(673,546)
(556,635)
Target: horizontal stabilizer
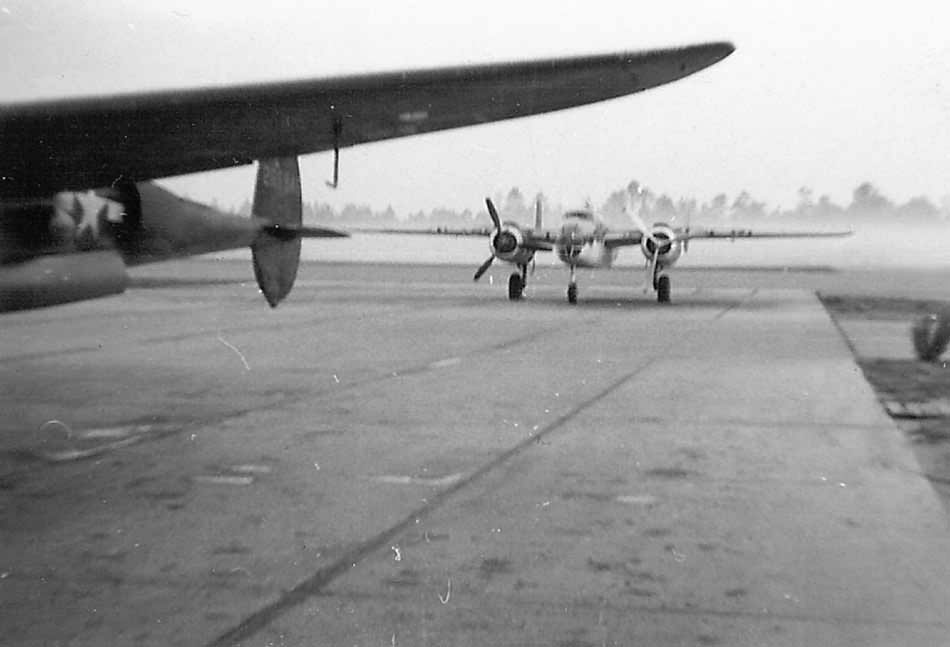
(320,232)
(290,231)
(438,231)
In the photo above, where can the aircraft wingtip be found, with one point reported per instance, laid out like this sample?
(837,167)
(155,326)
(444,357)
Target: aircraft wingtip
(718,50)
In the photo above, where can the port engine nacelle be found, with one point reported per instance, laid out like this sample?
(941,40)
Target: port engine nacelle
(507,244)
(61,278)
(663,237)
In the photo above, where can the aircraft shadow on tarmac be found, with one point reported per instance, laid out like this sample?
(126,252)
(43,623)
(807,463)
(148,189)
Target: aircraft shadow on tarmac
(549,301)
(706,301)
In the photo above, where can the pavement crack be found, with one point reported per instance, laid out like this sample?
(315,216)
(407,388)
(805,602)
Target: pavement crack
(315,584)
(738,304)
(337,388)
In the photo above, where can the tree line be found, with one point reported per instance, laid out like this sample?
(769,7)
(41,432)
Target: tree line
(868,205)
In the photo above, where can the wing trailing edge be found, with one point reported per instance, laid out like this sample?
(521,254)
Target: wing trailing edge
(85,143)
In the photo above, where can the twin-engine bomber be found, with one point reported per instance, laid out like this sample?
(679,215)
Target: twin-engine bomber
(584,241)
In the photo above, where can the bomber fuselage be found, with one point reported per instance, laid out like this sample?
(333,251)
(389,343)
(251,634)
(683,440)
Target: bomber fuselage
(580,242)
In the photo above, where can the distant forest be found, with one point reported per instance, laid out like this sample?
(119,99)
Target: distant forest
(868,205)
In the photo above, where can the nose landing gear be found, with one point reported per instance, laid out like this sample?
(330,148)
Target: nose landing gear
(663,289)
(572,287)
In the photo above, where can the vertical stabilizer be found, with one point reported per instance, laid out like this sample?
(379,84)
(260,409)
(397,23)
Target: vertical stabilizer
(276,250)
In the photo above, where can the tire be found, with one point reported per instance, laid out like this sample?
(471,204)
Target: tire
(572,293)
(663,289)
(515,287)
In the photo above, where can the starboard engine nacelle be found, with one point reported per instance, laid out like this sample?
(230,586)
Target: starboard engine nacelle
(507,244)
(663,237)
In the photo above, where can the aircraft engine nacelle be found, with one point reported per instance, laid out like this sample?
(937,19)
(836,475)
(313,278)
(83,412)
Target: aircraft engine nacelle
(670,246)
(507,244)
(69,222)
(61,278)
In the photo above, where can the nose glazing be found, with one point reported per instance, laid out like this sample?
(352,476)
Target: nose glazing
(505,242)
(662,239)
(571,242)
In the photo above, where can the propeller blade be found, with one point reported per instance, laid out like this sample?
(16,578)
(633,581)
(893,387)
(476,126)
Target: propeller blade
(689,218)
(483,268)
(638,222)
(651,270)
(642,226)
(493,213)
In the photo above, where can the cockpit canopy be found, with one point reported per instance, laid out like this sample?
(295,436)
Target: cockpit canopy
(580,214)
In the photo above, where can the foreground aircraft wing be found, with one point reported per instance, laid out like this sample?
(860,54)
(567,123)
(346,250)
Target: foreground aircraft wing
(77,144)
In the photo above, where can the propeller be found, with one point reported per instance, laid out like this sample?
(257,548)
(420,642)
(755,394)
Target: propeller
(483,268)
(689,218)
(642,226)
(493,213)
(648,234)
(497,222)
(651,269)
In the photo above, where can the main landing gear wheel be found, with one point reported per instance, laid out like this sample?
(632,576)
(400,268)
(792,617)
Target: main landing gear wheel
(572,293)
(663,289)
(515,287)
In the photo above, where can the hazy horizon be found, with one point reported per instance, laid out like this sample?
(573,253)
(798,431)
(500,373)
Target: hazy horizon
(871,247)
(816,95)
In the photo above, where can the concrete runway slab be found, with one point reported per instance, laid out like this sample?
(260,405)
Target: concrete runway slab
(397,456)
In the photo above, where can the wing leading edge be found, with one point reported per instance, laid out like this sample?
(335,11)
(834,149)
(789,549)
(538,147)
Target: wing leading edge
(535,240)
(635,236)
(77,144)
(733,234)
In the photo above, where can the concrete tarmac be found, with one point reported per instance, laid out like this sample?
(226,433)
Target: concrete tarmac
(396,456)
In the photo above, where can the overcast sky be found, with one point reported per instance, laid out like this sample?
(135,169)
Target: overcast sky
(821,94)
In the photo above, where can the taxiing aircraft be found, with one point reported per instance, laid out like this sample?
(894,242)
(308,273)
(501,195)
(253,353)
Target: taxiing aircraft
(584,241)
(76,204)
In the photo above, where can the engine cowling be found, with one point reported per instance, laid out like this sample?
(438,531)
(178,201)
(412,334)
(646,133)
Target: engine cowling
(69,222)
(507,244)
(664,237)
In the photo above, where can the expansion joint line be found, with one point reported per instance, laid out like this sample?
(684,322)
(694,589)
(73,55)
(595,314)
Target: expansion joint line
(314,585)
(318,581)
